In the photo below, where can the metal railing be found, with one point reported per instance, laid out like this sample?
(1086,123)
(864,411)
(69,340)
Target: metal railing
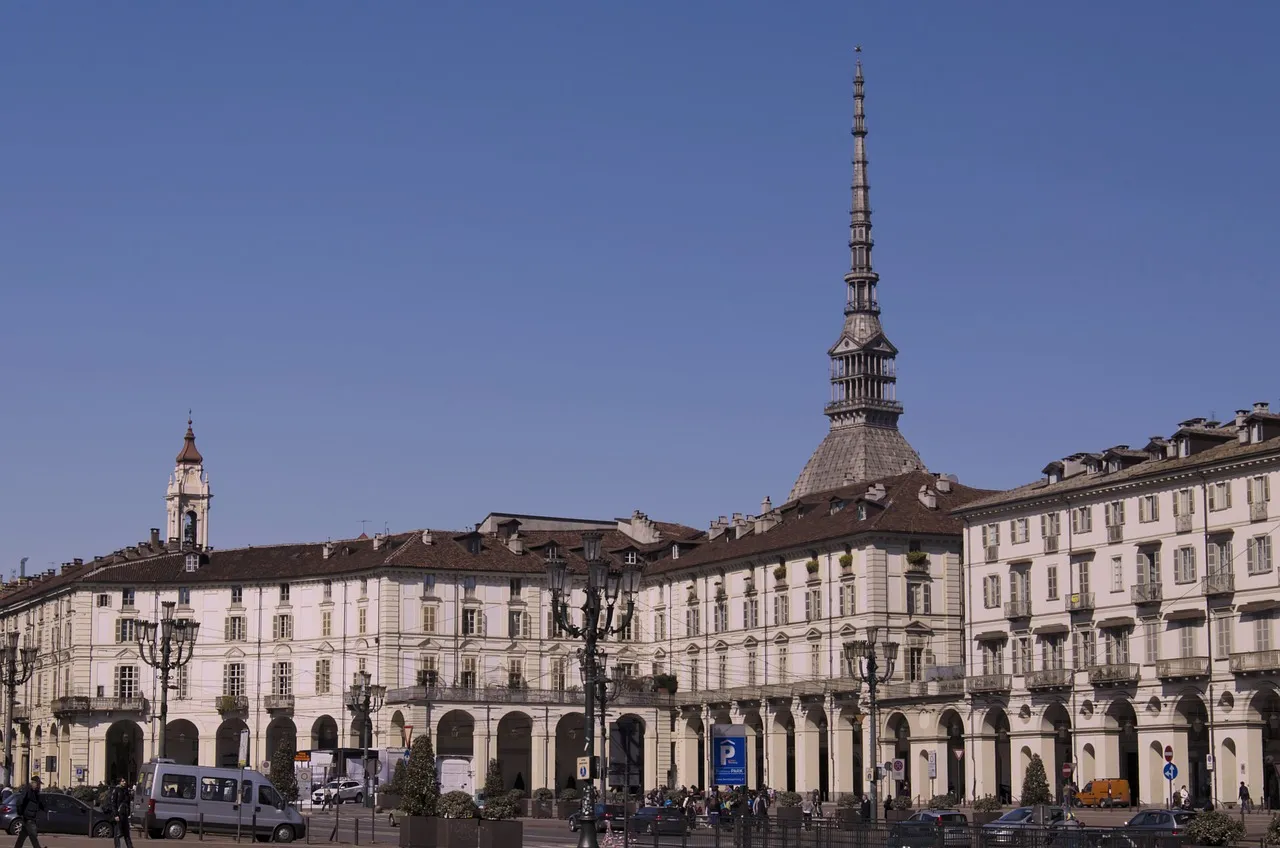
(509,695)
(1080,601)
(989,683)
(992,553)
(80,704)
(1219,584)
(1248,662)
(1051,544)
(1115,673)
(1146,593)
(1018,609)
(1049,678)
(231,703)
(277,702)
(1180,668)
(1115,532)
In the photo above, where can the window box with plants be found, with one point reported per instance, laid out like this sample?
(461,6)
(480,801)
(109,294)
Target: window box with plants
(917,560)
(811,568)
(846,561)
(780,574)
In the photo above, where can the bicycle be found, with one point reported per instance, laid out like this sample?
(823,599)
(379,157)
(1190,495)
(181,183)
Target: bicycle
(612,839)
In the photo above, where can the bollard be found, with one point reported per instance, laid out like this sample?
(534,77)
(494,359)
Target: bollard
(253,827)
(357,838)
(202,827)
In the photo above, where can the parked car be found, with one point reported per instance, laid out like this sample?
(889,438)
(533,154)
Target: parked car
(606,816)
(1038,824)
(660,820)
(170,799)
(62,814)
(921,830)
(342,790)
(1106,792)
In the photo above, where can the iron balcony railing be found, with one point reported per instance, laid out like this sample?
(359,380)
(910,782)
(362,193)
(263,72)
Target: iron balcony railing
(22,713)
(1219,584)
(508,695)
(990,683)
(1080,601)
(231,703)
(1249,662)
(1182,668)
(278,703)
(1114,674)
(1049,678)
(81,705)
(992,553)
(1115,532)
(1051,544)
(1017,609)
(1145,593)
(904,691)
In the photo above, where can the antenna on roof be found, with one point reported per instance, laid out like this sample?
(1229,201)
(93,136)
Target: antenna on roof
(22,567)
(363,522)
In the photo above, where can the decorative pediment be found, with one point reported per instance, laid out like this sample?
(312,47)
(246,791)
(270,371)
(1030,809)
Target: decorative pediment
(780,639)
(848,631)
(126,653)
(234,654)
(283,650)
(720,645)
(426,644)
(918,627)
(692,649)
(813,634)
(468,644)
(750,642)
(325,648)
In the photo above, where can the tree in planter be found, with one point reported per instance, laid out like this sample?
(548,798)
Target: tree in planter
(812,566)
(789,799)
(282,776)
(942,802)
(986,804)
(396,785)
(543,794)
(1214,828)
(846,560)
(1035,785)
(917,557)
(780,574)
(421,792)
(457,805)
(499,805)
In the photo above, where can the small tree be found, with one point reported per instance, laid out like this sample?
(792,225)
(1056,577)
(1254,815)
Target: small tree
(421,788)
(283,777)
(1035,785)
(493,780)
(396,786)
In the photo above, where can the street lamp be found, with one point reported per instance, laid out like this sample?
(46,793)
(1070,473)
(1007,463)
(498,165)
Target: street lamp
(364,699)
(166,646)
(864,662)
(18,668)
(605,589)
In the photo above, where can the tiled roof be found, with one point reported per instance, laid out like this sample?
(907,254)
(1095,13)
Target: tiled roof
(900,511)
(1150,469)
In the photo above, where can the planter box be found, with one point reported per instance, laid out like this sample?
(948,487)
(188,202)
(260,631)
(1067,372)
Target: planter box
(388,801)
(979,819)
(898,815)
(788,816)
(500,834)
(565,808)
(541,809)
(432,832)
(848,818)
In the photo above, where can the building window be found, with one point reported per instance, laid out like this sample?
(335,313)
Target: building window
(515,673)
(1262,632)
(1084,648)
(468,587)
(1018,531)
(919,599)
(781,610)
(693,621)
(324,676)
(991,591)
(1050,525)
(1053,652)
(1082,576)
(1022,655)
(1117,574)
(237,596)
(1184,502)
(233,680)
(751,613)
(1217,556)
(428,670)
(282,678)
(429,584)
(1187,638)
(326,623)
(104,600)
(847,605)
(127,597)
(1184,565)
(630,557)
(126,682)
(518,624)
(1115,644)
(429,618)
(1259,489)
(1220,496)
(472,621)
(992,657)
(1051,581)
(281,627)
(659,626)
(813,605)
(184,596)
(234,628)
(126,630)
(720,616)
(467,679)
(782,664)
(1148,508)
(1149,567)
(1151,641)
(515,587)
(990,538)
(328,590)
(284,593)
(1113,514)
(1259,555)
(559,674)
(1222,636)
(1082,519)
(722,670)
(364,587)
(183,688)
(752,661)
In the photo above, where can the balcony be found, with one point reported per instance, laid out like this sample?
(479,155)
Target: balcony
(921,567)
(231,704)
(992,553)
(22,714)
(73,705)
(1182,668)
(1218,584)
(1080,602)
(1017,609)
(910,690)
(1116,674)
(1051,544)
(278,703)
(507,695)
(989,683)
(1258,511)
(1115,532)
(1253,662)
(1049,678)
(1182,523)
(1145,593)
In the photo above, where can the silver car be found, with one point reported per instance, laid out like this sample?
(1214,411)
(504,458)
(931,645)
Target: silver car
(340,791)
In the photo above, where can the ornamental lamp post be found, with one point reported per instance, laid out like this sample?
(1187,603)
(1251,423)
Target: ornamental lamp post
(607,591)
(166,646)
(863,661)
(364,699)
(19,665)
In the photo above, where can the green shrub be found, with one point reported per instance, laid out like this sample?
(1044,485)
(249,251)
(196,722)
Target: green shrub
(942,802)
(848,801)
(846,560)
(917,557)
(570,795)
(789,799)
(986,804)
(421,788)
(666,683)
(396,785)
(811,566)
(780,573)
(517,794)
(1035,785)
(283,776)
(900,802)
(543,794)
(500,808)
(457,805)
(1214,828)
(493,781)
(1273,831)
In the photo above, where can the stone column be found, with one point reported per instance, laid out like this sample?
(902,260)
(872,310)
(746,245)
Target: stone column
(541,755)
(1151,741)
(775,752)
(840,749)
(651,734)
(807,754)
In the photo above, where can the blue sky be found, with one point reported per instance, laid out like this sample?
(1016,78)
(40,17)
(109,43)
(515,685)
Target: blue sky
(413,262)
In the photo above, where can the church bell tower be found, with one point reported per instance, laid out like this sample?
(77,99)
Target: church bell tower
(188,497)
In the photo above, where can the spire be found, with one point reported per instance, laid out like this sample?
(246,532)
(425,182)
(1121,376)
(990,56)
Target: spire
(861,279)
(189,455)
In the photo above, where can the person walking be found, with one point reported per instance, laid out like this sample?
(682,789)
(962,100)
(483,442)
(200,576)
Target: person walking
(27,808)
(1246,806)
(121,806)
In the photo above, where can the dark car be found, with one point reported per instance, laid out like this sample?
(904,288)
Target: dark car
(1150,829)
(922,829)
(61,814)
(661,820)
(1036,825)
(608,816)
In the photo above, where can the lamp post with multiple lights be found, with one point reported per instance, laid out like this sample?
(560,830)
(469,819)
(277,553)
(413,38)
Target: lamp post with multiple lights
(607,590)
(19,665)
(865,662)
(166,645)
(365,698)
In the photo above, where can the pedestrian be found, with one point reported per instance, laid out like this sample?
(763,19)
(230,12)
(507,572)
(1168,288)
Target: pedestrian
(1186,797)
(120,805)
(806,810)
(888,805)
(866,808)
(1246,806)
(26,809)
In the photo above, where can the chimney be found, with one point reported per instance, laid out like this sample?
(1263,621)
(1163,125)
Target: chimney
(717,528)
(426,537)
(326,550)
(155,537)
(943,484)
(927,497)
(765,505)
(378,541)
(78,562)
(1262,406)
(515,544)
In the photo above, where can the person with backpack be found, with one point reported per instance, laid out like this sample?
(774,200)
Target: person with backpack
(28,806)
(120,805)
(1246,805)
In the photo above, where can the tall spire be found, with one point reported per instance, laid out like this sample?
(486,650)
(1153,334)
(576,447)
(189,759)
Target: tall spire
(864,442)
(189,455)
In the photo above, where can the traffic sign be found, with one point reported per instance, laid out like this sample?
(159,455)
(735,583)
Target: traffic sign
(959,752)
(1170,771)
(302,757)
(899,769)
(266,766)
(1068,769)
(729,754)
(933,764)
(304,776)
(1208,762)
(584,768)
(1168,753)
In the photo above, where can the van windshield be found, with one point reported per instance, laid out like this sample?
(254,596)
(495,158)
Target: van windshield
(144,784)
(1088,787)
(267,795)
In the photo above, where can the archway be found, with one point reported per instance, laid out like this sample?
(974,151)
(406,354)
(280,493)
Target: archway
(998,754)
(124,751)
(182,742)
(397,730)
(1057,722)
(280,729)
(357,737)
(951,728)
(324,734)
(692,770)
(227,743)
(456,734)
(626,753)
(515,751)
(1122,721)
(755,748)
(1193,714)
(1265,709)
(898,730)
(815,752)
(851,767)
(571,743)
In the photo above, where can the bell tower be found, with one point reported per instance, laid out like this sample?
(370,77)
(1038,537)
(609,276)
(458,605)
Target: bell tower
(187,499)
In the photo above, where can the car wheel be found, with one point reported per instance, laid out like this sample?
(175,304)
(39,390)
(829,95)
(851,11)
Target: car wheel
(102,829)
(359,799)
(175,829)
(15,827)
(573,825)
(283,833)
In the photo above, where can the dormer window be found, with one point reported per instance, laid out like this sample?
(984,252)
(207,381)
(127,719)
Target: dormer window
(553,551)
(1256,436)
(473,545)
(429,584)
(630,557)
(675,551)
(862,512)
(1184,446)
(192,562)
(836,506)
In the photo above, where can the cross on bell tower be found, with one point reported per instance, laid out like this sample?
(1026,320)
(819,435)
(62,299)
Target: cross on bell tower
(187,499)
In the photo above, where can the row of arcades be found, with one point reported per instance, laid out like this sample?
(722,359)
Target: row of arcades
(968,750)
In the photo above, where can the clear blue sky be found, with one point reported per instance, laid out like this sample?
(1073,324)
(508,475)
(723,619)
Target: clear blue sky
(413,262)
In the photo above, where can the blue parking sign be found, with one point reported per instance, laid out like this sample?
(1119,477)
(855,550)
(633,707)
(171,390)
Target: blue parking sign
(729,755)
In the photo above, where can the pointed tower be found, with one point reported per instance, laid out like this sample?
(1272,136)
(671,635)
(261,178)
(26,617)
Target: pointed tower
(188,497)
(864,442)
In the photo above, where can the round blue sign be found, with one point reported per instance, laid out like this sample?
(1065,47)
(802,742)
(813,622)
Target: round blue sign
(1170,771)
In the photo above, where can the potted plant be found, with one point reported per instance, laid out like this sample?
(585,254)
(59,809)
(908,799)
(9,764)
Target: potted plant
(389,795)
(899,809)
(570,800)
(812,566)
(665,683)
(1035,784)
(917,558)
(542,800)
(788,813)
(1216,828)
(457,822)
(498,824)
(421,794)
(942,802)
(848,811)
(986,809)
(780,574)
(846,561)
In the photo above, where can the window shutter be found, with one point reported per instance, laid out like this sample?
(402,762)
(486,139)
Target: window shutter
(927,591)
(1211,558)
(1248,490)
(1213,498)
(1266,488)
(1251,555)
(1226,495)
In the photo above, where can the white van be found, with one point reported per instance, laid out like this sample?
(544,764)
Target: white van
(171,799)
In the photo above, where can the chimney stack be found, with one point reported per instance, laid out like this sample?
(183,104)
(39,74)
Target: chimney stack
(378,541)
(426,537)
(326,550)
(1262,406)
(155,537)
